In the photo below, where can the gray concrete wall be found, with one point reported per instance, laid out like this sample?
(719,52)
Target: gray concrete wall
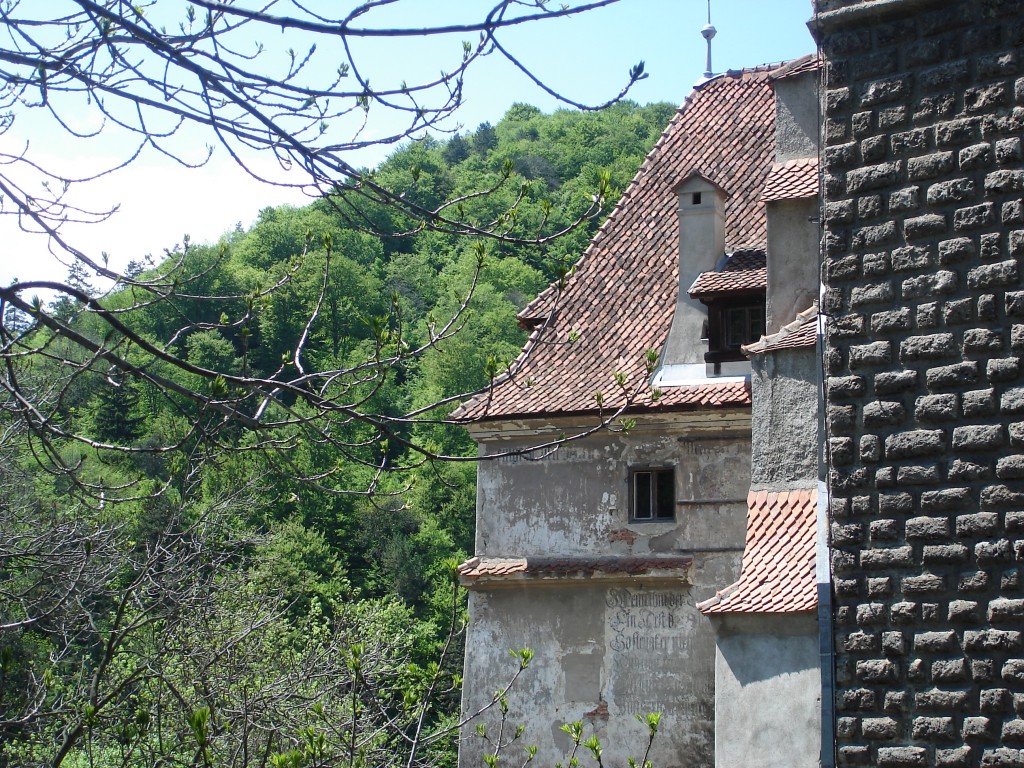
(785,420)
(767,691)
(796,117)
(792,260)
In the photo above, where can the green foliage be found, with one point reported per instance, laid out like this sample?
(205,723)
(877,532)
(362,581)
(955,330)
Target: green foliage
(242,606)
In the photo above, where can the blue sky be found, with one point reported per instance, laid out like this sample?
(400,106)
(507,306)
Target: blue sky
(586,57)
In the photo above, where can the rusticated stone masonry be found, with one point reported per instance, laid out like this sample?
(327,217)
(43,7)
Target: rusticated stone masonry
(923,245)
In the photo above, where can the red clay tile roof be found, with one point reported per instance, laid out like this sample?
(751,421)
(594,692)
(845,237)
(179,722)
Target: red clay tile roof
(777,573)
(809,63)
(744,271)
(792,180)
(619,301)
(540,567)
(802,332)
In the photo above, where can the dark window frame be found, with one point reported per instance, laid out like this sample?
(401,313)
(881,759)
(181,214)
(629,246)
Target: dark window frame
(648,487)
(722,345)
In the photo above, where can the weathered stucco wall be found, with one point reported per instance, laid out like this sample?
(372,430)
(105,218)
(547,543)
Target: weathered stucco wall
(793,260)
(604,654)
(607,647)
(575,500)
(785,420)
(797,116)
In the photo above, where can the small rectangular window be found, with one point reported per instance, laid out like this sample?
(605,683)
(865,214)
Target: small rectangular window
(653,494)
(743,325)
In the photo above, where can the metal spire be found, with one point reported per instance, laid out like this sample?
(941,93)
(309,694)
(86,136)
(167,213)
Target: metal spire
(708,33)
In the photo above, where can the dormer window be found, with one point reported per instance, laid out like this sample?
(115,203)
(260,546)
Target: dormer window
(733,323)
(735,297)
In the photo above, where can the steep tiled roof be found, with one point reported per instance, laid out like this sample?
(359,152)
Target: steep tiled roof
(743,271)
(792,180)
(777,573)
(802,332)
(520,567)
(619,301)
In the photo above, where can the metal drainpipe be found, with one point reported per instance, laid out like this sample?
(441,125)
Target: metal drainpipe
(823,561)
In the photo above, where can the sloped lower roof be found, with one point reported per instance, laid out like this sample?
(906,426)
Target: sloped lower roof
(491,568)
(743,271)
(792,180)
(777,572)
(619,301)
(809,63)
(802,332)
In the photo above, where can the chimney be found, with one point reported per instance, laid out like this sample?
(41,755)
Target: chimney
(701,246)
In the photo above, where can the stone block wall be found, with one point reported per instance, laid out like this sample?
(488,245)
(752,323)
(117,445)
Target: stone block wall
(923,119)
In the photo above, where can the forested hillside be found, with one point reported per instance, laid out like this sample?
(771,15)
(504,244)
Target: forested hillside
(177,591)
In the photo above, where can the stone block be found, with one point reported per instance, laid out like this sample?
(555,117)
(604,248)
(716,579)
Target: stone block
(913,443)
(975,156)
(891,320)
(884,412)
(902,757)
(1012,401)
(998,274)
(1004,610)
(891,382)
(979,437)
(936,642)
(966,611)
(886,557)
(992,640)
(979,402)
(977,728)
(928,347)
(958,311)
(1010,467)
(931,166)
(906,199)
(950,191)
(950,376)
(945,553)
(927,528)
(877,176)
(933,728)
(937,408)
(942,701)
(869,355)
(981,340)
(977,525)
(974,216)
(876,293)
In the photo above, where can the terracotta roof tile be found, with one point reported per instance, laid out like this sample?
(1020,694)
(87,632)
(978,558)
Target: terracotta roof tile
(777,572)
(619,301)
(743,271)
(520,567)
(809,63)
(792,180)
(802,332)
